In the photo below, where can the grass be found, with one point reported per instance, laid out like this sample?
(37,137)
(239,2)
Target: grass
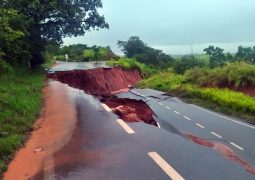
(131,63)
(20,104)
(234,103)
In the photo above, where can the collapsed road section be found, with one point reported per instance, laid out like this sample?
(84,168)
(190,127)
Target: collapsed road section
(104,83)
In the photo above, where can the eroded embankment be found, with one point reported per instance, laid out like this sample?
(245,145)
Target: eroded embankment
(100,81)
(105,82)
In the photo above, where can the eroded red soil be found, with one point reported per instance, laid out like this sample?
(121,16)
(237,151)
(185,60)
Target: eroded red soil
(51,132)
(131,110)
(223,149)
(100,81)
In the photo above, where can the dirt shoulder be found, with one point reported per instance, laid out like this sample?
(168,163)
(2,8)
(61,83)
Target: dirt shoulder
(51,132)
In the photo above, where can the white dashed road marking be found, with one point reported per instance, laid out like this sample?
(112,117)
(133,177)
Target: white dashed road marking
(106,107)
(167,168)
(176,112)
(217,135)
(126,127)
(160,104)
(237,146)
(187,118)
(168,107)
(199,125)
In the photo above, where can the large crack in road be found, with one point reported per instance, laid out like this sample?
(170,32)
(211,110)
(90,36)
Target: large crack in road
(104,83)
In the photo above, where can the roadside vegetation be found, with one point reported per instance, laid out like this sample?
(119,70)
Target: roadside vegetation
(132,63)
(20,104)
(215,80)
(30,34)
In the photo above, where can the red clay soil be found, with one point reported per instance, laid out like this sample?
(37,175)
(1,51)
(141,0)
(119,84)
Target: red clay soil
(100,81)
(52,132)
(249,91)
(223,149)
(131,110)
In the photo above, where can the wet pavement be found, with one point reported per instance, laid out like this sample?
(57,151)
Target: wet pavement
(101,149)
(68,66)
(189,142)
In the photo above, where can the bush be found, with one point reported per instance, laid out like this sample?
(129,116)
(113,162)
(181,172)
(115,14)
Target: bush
(233,75)
(131,63)
(4,67)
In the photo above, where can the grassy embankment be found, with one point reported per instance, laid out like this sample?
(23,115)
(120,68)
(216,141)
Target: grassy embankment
(193,86)
(20,104)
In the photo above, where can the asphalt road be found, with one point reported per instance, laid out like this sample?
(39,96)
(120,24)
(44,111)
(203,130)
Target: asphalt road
(105,147)
(206,124)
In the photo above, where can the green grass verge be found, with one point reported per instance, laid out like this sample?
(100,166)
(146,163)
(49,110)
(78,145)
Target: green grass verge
(20,104)
(235,103)
(131,63)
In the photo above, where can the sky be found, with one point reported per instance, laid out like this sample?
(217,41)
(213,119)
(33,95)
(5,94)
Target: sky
(176,26)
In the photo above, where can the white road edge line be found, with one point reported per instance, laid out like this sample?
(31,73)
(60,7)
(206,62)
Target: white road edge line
(215,134)
(235,121)
(126,127)
(199,125)
(167,168)
(177,100)
(106,107)
(237,146)
(176,112)
(187,118)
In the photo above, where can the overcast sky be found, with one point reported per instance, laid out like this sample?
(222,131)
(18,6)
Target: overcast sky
(174,25)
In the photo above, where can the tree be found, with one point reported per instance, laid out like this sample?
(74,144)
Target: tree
(246,54)
(53,20)
(186,63)
(13,34)
(133,46)
(136,48)
(217,57)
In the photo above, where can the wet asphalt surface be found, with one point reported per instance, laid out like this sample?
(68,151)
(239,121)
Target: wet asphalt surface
(101,149)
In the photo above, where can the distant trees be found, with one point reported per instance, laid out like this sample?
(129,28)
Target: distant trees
(136,48)
(246,54)
(81,52)
(217,57)
(187,62)
(40,21)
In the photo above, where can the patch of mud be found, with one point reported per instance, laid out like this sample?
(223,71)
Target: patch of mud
(223,149)
(50,134)
(99,81)
(131,110)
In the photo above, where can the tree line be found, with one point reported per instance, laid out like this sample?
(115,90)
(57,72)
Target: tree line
(27,26)
(134,47)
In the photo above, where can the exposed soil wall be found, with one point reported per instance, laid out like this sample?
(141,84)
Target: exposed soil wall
(100,81)
(131,110)
(105,82)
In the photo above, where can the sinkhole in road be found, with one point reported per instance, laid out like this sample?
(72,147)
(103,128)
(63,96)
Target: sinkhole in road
(131,110)
(104,83)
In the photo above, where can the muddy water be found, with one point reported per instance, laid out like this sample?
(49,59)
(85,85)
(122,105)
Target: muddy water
(52,131)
